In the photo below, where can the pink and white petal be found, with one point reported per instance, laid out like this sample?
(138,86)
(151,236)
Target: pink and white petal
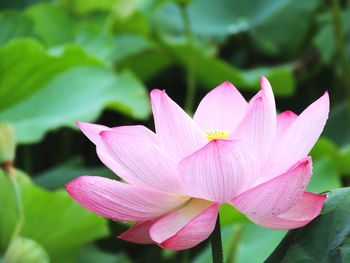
(277,195)
(221,109)
(138,233)
(92,131)
(267,89)
(284,121)
(120,201)
(218,171)
(299,138)
(186,227)
(178,133)
(146,163)
(258,127)
(305,210)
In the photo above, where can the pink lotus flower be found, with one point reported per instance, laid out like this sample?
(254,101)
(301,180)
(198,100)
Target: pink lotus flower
(231,152)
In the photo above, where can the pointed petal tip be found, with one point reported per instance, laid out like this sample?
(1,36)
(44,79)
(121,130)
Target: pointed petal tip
(305,162)
(226,84)
(289,113)
(157,92)
(73,185)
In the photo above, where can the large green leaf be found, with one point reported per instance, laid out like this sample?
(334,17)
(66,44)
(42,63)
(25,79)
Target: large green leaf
(272,24)
(52,91)
(91,254)
(60,175)
(26,67)
(326,239)
(212,71)
(52,23)
(52,219)
(14,25)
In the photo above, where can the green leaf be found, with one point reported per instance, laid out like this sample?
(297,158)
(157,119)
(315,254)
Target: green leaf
(338,125)
(98,44)
(52,219)
(64,173)
(326,239)
(212,71)
(52,23)
(26,67)
(340,157)
(265,21)
(240,240)
(229,215)
(91,254)
(86,7)
(14,25)
(325,176)
(324,40)
(25,250)
(52,92)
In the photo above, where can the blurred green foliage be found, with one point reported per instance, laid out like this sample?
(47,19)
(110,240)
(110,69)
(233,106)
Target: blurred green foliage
(95,60)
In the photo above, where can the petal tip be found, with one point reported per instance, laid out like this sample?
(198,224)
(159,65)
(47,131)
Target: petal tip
(157,92)
(289,113)
(73,185)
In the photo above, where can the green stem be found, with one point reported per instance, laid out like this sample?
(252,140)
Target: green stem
(19,205)
(341,49)
(191,65)
(216,243)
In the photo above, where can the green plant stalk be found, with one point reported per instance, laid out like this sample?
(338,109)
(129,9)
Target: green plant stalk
(191,65)
(19,205)
(216,243)
(341,50)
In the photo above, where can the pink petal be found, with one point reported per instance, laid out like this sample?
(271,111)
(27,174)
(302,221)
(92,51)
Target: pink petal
(178,133)
(138,233)
(145,162)
(258,128)
(119,201)
(218,171)
(186,227)
(284,121)
(305,210)
(277,195)
(299,139)
(92,132)
(221,109)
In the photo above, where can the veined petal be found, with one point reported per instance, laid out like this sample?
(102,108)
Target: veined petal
(186,227)
(218,171)
(120,201)
(92,131)
(277,195)
(258,128)
(284,121)
(304,211)
(178,133)
(221,109)
(299,138)
(138,233)
(145,162)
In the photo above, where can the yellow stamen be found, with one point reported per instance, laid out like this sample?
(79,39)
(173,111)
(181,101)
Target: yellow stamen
(217,134)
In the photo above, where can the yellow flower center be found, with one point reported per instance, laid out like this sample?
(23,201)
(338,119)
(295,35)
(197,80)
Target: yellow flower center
(217,134)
